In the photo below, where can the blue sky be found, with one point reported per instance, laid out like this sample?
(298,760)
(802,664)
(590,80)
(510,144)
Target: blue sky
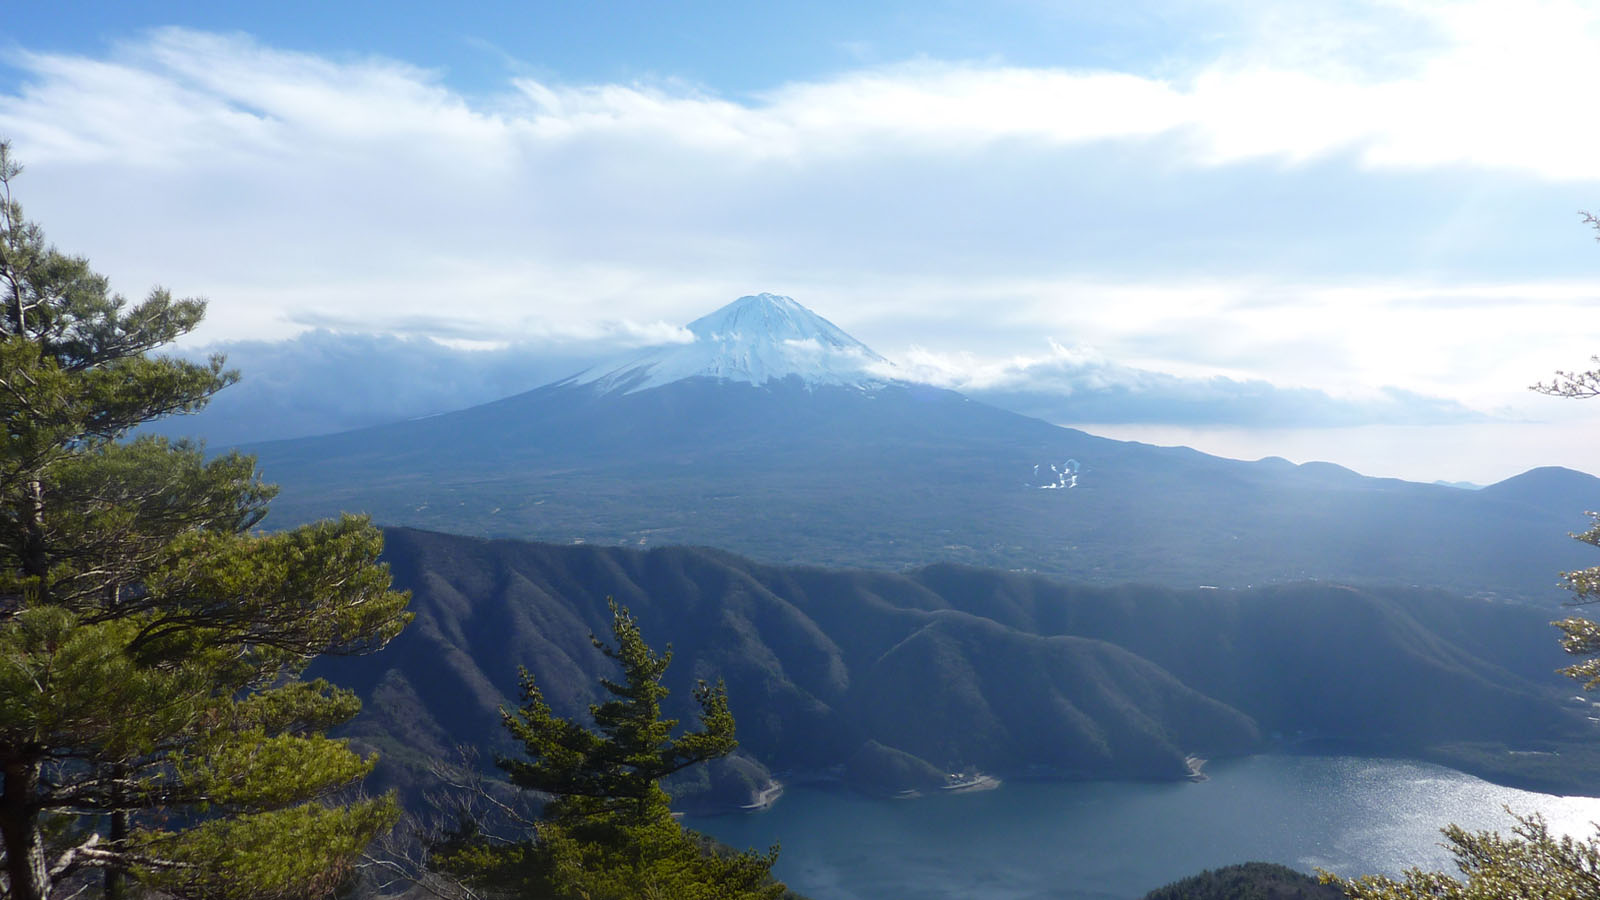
(1371,201)
(732,47)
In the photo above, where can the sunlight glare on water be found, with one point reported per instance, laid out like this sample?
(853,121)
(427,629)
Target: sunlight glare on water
(1031,840)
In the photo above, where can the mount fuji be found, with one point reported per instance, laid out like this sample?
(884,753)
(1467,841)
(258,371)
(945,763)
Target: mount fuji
(754,340)
(774,434)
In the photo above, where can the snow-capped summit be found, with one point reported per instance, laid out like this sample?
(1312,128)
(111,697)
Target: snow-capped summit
(754,339)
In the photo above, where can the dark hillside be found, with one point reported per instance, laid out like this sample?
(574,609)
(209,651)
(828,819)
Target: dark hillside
(1247,881)
(951,667)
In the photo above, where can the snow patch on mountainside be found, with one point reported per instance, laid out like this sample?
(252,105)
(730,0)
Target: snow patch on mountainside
(1053,477)
(754,339)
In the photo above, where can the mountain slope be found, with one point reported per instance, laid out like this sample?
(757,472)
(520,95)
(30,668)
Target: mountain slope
(951,667)
(870,472)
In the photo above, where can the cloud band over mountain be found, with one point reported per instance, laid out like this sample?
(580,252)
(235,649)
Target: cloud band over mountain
(1073,386)
(382,378)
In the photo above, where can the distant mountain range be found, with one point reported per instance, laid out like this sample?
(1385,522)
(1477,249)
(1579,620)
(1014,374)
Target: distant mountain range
(776,435)
(891,680)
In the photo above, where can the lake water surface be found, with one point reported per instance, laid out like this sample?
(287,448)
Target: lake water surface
(1029,840)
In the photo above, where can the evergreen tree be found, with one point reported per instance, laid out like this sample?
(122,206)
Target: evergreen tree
(608,831)
(152,725)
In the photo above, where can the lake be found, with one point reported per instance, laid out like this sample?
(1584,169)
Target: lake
(1029,840)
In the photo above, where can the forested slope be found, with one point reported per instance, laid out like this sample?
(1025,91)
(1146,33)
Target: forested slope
(950,667)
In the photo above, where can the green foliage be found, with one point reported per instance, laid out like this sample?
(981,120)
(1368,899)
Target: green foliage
(1531,864)
(293,853)
(152,723)
(654,860)
(1247,881)
(658,859)
(612,774)
(607,831)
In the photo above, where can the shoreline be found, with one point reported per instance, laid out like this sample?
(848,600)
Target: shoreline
(764,798)
(973,785)
(1579,786)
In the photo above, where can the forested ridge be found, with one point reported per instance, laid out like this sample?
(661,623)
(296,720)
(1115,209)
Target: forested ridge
(950,667)
(1247,881)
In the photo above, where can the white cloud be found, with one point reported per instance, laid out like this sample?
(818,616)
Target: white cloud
(965,370)
(1478,343)
(1506,87)
(958,206)
(1507,90)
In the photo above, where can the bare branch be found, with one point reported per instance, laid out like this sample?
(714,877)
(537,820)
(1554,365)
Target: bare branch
(399,859)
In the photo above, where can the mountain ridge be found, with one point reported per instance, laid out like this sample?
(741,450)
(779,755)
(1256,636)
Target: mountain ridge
(950,667)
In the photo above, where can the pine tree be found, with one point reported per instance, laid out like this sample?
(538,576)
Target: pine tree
(608,831)
(152,724)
